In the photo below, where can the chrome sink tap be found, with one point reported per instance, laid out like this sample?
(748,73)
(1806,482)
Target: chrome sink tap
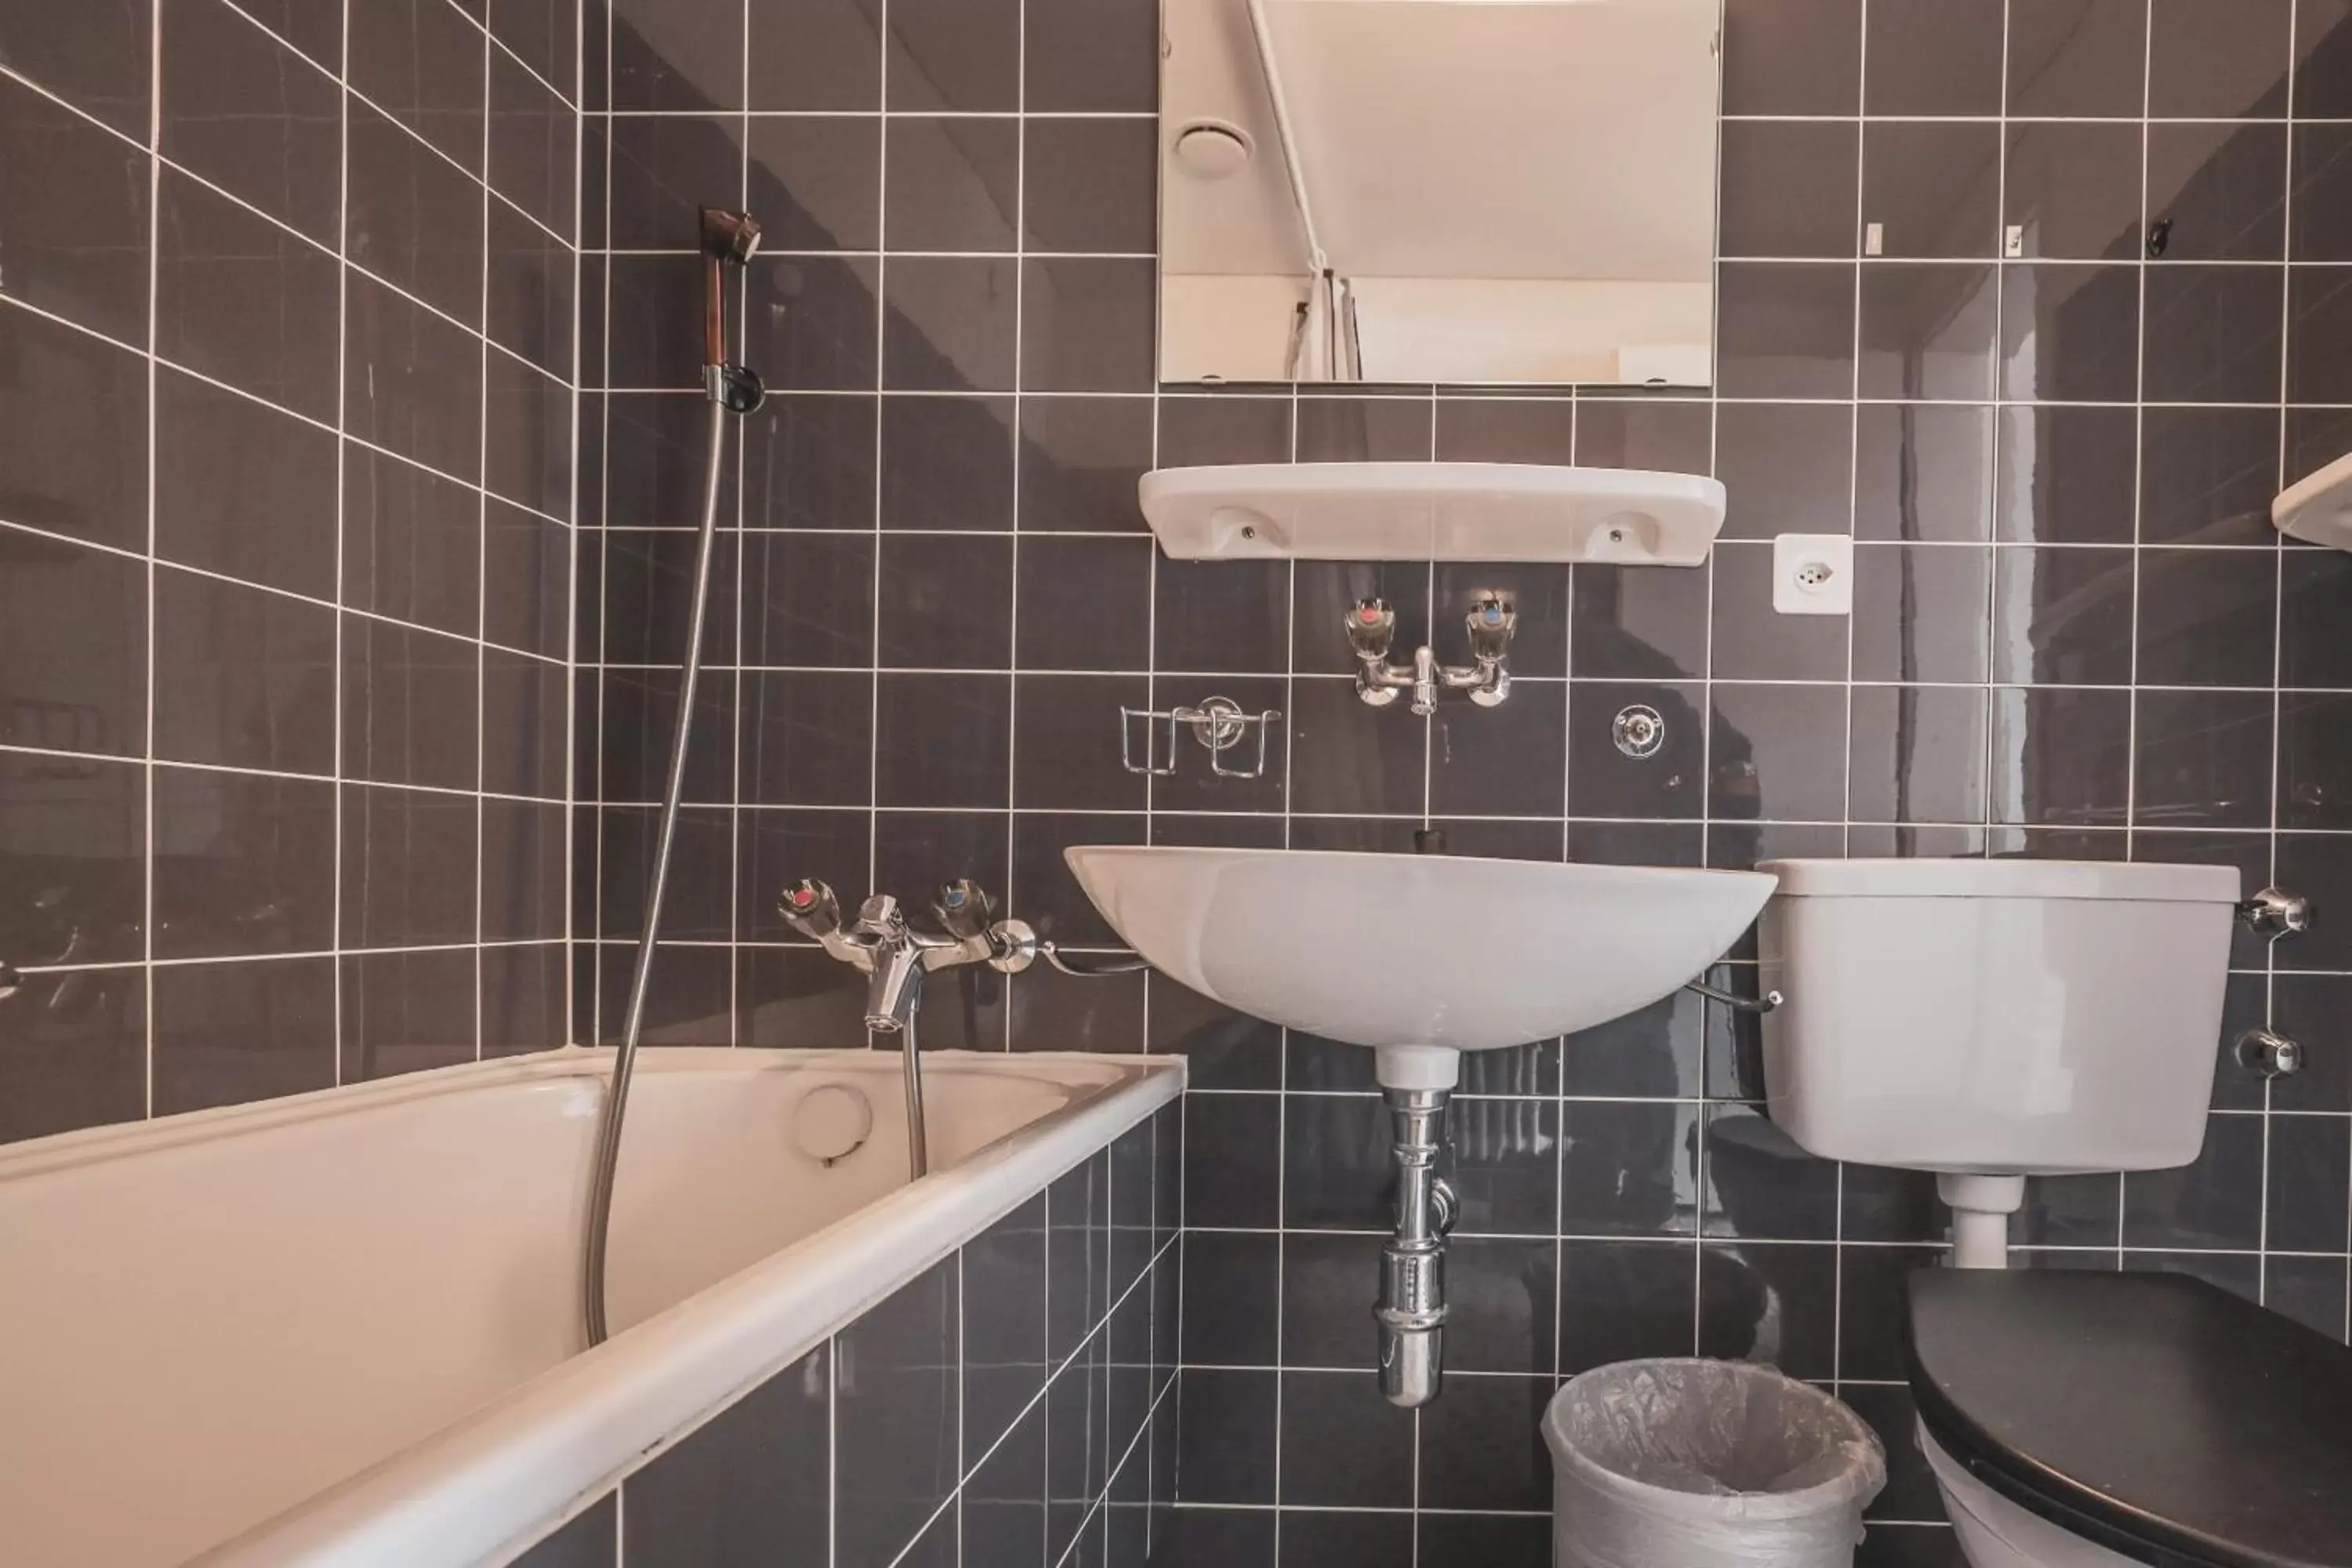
(894,956)
(1371,626)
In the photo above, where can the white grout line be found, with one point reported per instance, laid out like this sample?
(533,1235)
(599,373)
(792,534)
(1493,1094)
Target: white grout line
(147,840)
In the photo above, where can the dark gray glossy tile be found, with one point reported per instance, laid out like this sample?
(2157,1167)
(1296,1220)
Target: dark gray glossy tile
(1351,758)
(2067,476)
(1784,330)
(1788,188)
(1078,1255)
(1919,754)
(2314,641)
(243,111)
(895,1431)
(405,1012)
(951,324)
(1229,1436)
(1672,437)
(823,56)
(677,55)
(1005,1500)
(1932,188)
(1923,472)
(747,1487)
(1092,56)
(945,603)
(1084,604)
(1506,430)
(524,847)
(422,62)
(2208,475)
(2073,190)
(2207,63)
(942,740)
(1788,467)
(1603,782)
(526,435)
(1927,332)
(2061,756)
(648,594)
(242,489)
(243,864)
(525,743)
(74,641)
(2077,57)
(1920,612)
(2311,1291)
(947,463)
(79,222)
(1791,56)
(534,150)
(1499,762)
(945,55)
(243,678)
(73,433)
(2215,1201)
(809,599)
(2312,730)
(526,581)
(1495,1541)
(811,321)
(1224,429)
(409,705)
(242,301)
(777,848)
(412,382)
(412,541)
(1232,1174)
(1067,752)
(2203,759)
(1934,57)
(652,328)
(1768,1302)
(96,57)
(1326,1301)
(544,35)
(1774,753)
(808,462)
(2206,618)
(1481,1444)
(2070,333)
(1080,459)
(1503,1164)
(228,1034)
(2223,190)
(2322,85)
(2213,334)
(1632,623)
(1359,429)
(1088,186)
(1342,1444)
(815,181)
(952,184)
(1004,1361)
(806,737)
(2062,616)
(408,858)
(1086,324)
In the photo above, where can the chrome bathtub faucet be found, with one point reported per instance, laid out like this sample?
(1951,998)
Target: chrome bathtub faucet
(894,957)
(1371,626)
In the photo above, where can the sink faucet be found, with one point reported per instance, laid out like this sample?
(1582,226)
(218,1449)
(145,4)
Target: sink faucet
(894,956)
(1371,626)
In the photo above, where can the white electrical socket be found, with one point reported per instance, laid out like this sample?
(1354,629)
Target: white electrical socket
(1812,574)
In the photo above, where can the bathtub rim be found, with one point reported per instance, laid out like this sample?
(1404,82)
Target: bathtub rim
(494,1483)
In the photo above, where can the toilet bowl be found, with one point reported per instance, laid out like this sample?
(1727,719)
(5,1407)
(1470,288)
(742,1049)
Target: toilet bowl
(1994,1020)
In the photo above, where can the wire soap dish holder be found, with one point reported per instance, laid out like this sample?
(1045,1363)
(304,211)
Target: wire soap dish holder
(1219,723)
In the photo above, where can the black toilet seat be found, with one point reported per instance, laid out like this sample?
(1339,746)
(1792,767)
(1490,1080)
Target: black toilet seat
(2153,1413)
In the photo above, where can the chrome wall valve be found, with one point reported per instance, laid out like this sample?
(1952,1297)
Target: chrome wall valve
(2276,912)
(1371,627)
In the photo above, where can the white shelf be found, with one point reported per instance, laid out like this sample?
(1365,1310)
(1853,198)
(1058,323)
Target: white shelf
(2318,509)
(1435,512)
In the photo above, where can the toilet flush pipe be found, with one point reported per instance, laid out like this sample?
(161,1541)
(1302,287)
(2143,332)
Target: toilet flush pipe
(1980,1209)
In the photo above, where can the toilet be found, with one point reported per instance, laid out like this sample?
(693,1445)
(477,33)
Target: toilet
(1994,1020)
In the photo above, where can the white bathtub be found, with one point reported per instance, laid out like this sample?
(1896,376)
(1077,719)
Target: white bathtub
(343,1328)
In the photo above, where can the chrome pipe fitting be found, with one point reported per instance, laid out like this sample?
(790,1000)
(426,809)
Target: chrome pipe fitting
(1371,627)
(1411,1310)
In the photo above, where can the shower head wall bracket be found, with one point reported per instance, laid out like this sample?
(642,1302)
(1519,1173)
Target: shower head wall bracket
(729,239)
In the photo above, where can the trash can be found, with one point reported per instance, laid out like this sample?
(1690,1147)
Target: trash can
(1705,1463)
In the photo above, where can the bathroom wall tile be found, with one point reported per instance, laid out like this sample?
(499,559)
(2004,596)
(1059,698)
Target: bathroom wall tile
(2077,57)
(2207,617)
(1927,58)
(422,63)
(1788,188)
(242,301)
(1228,1453)
(1932,188)
(413,540)
(2213,334)
(97,57)
(408,859)
(1753,642)
(412,381)
(1784,330)
(242,863)
(1342,1446)
(228,1034)
(749,1484)
(2216,1202)
(2066,476)
(1923,472)
(410,706)
(533,158)
(947,463)
(412,219)
(76,462)
(1088,186)
(1004,1361)
(1767,1302)
(2062,616)
(896,1432)
(2206,475)
(1481,1447)
(2082,324)
(1080,459)
(243,678)
(951,184)
(1927,332)
(2205,65)
(405,1012)
(79,217)
(1086,325)
(2203,759)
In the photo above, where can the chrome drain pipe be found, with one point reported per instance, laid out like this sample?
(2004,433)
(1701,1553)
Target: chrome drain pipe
(1412,1311)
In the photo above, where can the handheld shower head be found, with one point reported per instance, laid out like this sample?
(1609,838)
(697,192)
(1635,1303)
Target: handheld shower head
(730,236)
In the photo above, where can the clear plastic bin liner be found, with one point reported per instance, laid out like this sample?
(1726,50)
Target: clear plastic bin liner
(1707,1463)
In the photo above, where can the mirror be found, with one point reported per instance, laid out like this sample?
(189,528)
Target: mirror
(1438,191)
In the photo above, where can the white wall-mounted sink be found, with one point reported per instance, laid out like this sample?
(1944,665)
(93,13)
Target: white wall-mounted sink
(1418,957)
